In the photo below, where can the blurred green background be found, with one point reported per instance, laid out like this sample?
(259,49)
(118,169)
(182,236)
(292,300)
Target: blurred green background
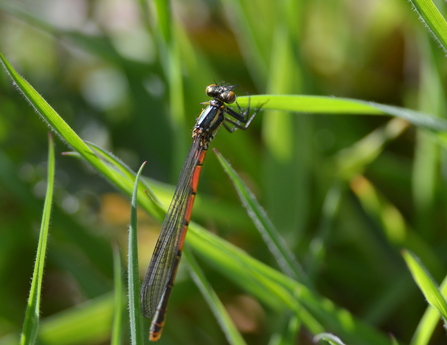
(129,84)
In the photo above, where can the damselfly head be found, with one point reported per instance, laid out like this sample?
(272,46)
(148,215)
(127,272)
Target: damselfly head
(221,92)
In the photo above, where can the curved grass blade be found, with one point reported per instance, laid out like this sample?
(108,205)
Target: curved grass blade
(117,330)
(270,235)
(117,164)
(31,324)
(429,321)
(279,291)
(50,116)
(136,319)
(330,338)
(72,139)
(434,20)
(334,105)
(219,311)
(426,283)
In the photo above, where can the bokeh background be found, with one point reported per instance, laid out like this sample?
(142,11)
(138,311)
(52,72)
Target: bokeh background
(104,67)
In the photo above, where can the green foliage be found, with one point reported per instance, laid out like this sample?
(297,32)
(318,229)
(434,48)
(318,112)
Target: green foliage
(433,19)
(31,323)
(117,328)
(426,284)
(135,317)
(341,193)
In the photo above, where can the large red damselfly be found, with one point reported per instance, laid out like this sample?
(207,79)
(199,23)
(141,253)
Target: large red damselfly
(160,275)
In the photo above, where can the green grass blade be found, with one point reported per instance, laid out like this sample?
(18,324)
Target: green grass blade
(117,164)
(50,116)
(279,291)
(170,57)
(434,20)
(274,241)
(31,324)
(256,60)
(334,105)
(428,322)
(117,329)
(330,338)
(74,326)
(72,139)
(286,171)
(426,283)
(136,319)
(218,309)
(427,153)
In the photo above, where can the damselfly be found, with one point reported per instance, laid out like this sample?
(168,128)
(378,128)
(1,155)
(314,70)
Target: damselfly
(160,275)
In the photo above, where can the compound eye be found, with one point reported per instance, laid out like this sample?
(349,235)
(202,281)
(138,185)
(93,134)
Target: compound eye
(211,90)
(228,97)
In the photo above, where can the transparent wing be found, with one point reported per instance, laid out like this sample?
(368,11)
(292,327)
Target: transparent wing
(172,232)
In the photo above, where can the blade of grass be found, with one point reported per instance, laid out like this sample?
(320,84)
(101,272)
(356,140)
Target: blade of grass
(136,320)
(334,105)
(31,323)
(427,153)
(330,338)
(286,171)
(117,329)
(426,283)
(279,291)
(252,52)
(118,164)
(433,19)
(428,322)
(219,311)
(72,139)
(171,61)
(270,235)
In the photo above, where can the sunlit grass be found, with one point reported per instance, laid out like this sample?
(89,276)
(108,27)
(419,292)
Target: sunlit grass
(335,197)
